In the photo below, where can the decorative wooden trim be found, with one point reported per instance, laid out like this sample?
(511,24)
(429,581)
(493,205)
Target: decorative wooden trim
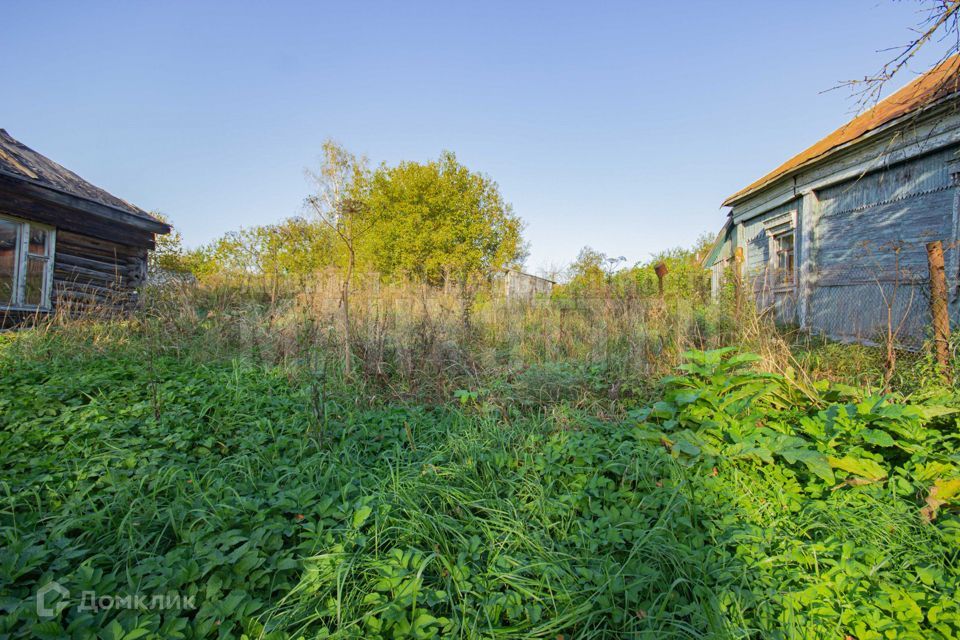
(783,224)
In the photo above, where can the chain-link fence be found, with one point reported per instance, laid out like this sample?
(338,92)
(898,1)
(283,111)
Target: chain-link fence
(872,295)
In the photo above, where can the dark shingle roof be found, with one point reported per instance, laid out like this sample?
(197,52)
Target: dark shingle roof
(20,161)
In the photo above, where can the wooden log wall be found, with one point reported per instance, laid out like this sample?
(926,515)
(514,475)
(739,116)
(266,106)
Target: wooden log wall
(98,263)
(94,273)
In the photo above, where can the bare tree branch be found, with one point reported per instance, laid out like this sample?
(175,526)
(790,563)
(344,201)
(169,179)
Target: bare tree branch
(940,24)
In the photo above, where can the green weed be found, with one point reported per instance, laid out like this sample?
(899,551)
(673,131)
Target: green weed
(739,505)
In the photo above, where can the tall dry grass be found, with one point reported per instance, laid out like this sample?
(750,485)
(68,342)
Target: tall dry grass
(413,340)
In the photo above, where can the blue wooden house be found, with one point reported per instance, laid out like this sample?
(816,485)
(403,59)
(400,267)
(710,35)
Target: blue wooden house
(833,240)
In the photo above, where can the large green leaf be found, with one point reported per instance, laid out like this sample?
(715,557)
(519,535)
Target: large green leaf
(815,461)
(878,437)
(862,467)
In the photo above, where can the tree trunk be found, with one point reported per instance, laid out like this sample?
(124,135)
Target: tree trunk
(345,303)
(273,290)
(467,295)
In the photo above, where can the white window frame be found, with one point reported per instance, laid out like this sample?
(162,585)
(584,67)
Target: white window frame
(20,265)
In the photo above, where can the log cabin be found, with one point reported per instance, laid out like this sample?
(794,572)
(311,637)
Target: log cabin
(65,243)
(834,239)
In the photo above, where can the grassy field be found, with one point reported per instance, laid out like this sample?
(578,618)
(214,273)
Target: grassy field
(258,494)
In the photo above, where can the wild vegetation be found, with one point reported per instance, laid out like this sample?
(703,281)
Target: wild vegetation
(336,426)
(533,475)
(339,427)
(434,222)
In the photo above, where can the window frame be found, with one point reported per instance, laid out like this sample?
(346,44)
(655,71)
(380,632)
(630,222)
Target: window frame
(21,259)
(776,228)
(778,252)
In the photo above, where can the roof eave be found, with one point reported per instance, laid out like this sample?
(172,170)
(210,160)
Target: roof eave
(739,197)
(93,207)
(710,258)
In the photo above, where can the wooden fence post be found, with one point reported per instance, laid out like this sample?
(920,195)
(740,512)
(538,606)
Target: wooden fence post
(661,270)
(738,279)
(938,304)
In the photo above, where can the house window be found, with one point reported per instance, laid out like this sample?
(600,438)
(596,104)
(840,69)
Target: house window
(26,264)
(784,246)
(780,231)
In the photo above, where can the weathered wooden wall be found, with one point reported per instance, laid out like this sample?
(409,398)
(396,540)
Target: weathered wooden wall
(90,272)
(864,216)
(26,201)
(757,259)
(96,266)
(523,286)
(869,248)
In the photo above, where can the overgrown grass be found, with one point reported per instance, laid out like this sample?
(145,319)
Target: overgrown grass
(212,459)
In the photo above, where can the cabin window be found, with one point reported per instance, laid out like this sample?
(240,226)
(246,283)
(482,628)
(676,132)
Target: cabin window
(781,249)
(784,246)
(26,264)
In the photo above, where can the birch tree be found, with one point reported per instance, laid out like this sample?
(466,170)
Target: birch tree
(338,202)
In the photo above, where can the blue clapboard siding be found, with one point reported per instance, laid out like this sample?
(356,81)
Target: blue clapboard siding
(886,216)
(869,249)
(868,210)
(758,251)
(921,175)
(859,312)
(881,238)
(758,259)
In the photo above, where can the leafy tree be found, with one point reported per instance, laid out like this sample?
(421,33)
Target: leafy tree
(438,221)
(595,274)
(297,247)
(236,252)
(340,203)
(168,253)
(586,273)
(293,247)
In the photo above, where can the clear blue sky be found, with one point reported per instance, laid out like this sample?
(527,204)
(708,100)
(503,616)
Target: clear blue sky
(616,125)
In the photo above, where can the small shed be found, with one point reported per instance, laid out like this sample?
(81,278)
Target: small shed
(834,239)
(64,241)
(520,286)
